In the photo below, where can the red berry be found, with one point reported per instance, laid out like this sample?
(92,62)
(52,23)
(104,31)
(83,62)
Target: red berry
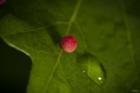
(2,2)
(69,43)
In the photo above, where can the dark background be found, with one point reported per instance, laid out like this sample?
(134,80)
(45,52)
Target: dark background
(14,69)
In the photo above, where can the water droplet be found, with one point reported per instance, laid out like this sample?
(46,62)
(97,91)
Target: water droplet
(93,68)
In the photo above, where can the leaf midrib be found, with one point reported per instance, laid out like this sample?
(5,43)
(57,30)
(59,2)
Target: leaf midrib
(71,21)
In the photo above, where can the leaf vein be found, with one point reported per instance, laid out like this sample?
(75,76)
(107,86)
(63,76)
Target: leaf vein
(72,19)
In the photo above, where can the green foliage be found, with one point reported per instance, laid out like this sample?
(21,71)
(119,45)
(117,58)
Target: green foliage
(103,28)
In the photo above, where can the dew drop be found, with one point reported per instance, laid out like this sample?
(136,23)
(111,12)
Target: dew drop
(93,68)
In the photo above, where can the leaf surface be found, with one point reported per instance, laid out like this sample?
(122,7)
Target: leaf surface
(103,28)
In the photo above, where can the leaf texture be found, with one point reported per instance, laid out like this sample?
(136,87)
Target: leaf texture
(104,28)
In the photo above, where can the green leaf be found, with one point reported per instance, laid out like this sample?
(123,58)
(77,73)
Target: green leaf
(107,29)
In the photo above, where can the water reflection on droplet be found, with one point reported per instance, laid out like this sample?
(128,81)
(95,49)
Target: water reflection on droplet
(93,68)
(83,71)
(99,78)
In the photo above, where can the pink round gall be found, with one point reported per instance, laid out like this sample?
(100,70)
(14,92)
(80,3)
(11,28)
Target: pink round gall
(2,2)
(69,43)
